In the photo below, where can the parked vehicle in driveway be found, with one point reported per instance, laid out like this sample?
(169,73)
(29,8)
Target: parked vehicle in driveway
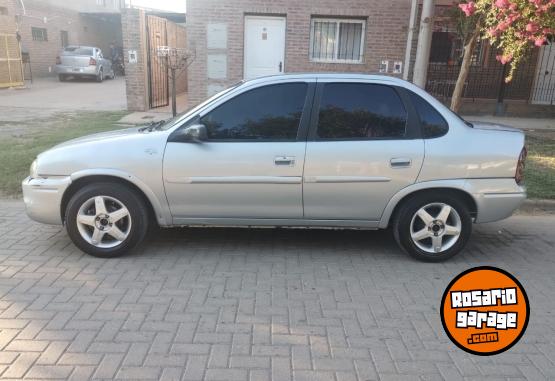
(83,62)
(310,150)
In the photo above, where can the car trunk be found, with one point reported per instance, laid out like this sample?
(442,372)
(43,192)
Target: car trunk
(76,57)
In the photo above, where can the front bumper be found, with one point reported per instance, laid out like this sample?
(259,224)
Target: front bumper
(43,198)
(74,70)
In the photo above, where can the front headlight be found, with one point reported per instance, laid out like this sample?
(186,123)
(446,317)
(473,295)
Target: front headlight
(33,170)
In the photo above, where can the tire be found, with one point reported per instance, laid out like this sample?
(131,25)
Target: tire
(438,238)
(61,77)
(100,76)
(132,227)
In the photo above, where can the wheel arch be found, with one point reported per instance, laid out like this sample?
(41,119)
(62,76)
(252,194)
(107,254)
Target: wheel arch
(79,180)
(455,188)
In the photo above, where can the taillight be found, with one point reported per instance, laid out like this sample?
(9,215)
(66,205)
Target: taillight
(58,61)
(92,62)
(519,175)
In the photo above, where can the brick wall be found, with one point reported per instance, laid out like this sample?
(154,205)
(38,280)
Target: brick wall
(134,38)
(43,53)
(385,39)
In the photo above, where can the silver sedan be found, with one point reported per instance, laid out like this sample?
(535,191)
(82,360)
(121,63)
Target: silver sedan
(83,62)
(310,150)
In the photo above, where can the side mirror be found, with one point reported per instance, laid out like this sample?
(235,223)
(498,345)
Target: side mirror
(195,133)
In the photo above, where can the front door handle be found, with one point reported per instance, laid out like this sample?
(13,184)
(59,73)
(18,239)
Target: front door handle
(400,162)
(285,160)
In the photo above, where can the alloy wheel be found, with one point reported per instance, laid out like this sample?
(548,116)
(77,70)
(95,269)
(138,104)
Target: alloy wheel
(435,227)
(104,221)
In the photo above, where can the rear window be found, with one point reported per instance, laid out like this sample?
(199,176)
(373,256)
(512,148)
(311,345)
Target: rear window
(76,51)
(433,124)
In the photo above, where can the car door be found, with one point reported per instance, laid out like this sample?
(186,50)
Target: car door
(251,164)
(364,146)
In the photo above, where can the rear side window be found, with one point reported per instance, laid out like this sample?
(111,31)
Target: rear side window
(361,111)
(76,51)
(432,123)
(265,113)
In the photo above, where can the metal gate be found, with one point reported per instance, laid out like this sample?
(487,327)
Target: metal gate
(157,70)
(543,91)
(11,67)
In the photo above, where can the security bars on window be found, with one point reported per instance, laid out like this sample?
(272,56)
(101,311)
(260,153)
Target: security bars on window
(337,40)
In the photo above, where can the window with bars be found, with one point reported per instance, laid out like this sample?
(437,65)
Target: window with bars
(447,48)
(337,40)
(39,34)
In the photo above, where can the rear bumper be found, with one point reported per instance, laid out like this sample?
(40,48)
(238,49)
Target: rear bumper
(74,70)
(496,199)
(43,198)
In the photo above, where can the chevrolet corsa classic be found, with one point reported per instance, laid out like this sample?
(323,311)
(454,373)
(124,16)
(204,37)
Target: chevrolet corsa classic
(307,150)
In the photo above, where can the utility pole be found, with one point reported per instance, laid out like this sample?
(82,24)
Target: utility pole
(410,34)
(424,44)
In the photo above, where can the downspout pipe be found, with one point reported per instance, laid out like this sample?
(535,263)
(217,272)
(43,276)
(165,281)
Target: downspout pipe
(410,36)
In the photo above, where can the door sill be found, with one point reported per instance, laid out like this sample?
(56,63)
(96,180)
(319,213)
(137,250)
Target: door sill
(276,222)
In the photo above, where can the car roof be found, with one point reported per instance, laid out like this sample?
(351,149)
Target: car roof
(80,47)
(350,76)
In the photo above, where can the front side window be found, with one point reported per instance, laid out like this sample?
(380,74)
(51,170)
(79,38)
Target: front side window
(266,113)
(432,123)
(39,34)
(361,111)
(337,40)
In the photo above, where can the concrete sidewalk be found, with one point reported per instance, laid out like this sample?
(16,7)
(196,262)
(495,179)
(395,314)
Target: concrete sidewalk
(522,123)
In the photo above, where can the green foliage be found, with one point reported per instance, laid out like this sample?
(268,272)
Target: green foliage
(18,152)
(513,26)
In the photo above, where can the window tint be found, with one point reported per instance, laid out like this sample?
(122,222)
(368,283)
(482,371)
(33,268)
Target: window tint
(270,112)
(77,51)
(433,124)
(361,111)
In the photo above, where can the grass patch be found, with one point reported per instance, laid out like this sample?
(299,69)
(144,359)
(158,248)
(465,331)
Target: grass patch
(18,152)
(540,166)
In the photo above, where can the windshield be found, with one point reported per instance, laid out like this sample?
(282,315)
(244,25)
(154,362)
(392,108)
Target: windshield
(180,117)
(77,51)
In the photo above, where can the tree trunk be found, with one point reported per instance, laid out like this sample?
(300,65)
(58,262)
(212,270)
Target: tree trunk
(456,99)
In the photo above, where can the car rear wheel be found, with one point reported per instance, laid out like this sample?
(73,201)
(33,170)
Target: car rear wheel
(61,78)
(100,76)
(432,227)
(106,220)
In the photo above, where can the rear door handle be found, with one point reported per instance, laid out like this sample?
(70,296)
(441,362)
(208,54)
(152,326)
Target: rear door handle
(400,162)
(285,160)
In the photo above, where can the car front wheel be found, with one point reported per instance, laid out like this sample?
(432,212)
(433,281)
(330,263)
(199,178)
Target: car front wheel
(432,227)
(106,219)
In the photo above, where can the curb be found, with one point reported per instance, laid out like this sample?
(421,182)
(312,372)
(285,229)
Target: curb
(537,207)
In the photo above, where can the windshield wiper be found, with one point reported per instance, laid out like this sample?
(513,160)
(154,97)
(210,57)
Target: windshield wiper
(152,126)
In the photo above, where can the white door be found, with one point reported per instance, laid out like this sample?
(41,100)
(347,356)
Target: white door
(264,46)
(543,91)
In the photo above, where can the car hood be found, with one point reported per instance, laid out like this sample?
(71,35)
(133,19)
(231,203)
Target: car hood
(494,126)
(102,136)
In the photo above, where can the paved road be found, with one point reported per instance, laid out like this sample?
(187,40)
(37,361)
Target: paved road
(238,304)
(50,94)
